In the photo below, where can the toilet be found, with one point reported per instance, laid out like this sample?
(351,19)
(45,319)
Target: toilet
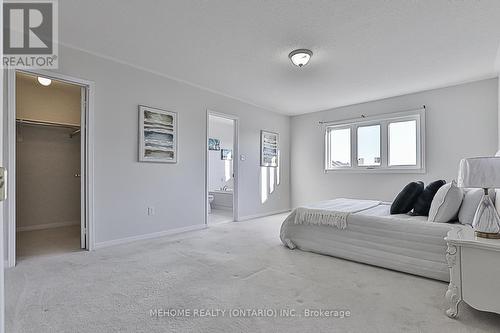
(210,200)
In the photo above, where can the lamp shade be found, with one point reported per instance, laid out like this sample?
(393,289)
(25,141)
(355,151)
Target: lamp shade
(479,172)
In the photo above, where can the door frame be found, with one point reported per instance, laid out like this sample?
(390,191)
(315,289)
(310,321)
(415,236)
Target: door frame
(236,164)
(87,164)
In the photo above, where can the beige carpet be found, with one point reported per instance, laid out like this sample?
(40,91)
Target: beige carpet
(219,216)
(47,242)
(229,266)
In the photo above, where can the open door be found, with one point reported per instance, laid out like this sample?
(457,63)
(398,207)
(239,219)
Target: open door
(82,170)
(83,163)
(3,193)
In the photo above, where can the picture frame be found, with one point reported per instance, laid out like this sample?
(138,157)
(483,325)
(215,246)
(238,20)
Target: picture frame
(213,144)
(226,154)
(157,135)
(269,149)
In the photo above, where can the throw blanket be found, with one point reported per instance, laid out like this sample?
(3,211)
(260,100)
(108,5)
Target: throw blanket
(332,212)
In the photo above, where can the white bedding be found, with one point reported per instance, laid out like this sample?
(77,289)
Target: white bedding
(373,236)
(332,212)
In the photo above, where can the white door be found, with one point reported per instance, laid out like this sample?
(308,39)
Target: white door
(2,257)
(83,172)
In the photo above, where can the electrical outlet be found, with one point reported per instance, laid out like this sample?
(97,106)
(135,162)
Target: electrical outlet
(151,211)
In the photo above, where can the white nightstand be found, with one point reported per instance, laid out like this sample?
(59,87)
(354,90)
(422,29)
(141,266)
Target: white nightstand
(474,271)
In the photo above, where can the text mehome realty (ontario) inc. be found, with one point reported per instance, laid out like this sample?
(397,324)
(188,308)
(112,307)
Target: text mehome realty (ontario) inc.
(250,313)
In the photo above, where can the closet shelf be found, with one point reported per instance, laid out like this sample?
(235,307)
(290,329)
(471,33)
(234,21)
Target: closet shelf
(75,128)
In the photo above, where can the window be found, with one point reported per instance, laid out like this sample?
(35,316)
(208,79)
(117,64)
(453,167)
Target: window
(340,148)
(369,145)
(386,143)
(403,143)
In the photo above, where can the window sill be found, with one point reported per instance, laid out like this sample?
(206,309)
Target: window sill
(377,170)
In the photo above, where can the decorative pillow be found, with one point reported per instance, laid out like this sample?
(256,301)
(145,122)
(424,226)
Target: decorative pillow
(446,203)
(424,201)
(471,201)
(406,198)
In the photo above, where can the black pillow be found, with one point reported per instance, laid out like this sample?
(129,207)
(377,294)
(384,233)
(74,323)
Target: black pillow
(406,199)
(424,201)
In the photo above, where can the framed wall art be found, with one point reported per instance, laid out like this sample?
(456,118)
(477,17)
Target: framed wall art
(213,144)
(226,154)
(269,148)
(157,135)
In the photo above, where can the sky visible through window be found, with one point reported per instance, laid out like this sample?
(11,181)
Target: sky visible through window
(369,145)
(401,140)
(340,147)
(403,143)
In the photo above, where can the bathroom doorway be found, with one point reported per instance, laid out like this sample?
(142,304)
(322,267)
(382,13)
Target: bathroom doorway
(222,165)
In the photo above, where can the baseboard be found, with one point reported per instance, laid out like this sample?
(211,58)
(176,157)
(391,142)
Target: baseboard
(158,234)
(47,226)
(256,216)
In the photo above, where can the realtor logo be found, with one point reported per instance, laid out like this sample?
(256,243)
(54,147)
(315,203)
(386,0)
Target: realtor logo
(30,34)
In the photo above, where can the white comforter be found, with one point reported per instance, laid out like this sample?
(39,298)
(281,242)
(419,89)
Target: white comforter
(401,242)
(332,212)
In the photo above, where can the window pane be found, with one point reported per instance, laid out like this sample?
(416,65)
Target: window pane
(403,143)
(369,145)
(340,148)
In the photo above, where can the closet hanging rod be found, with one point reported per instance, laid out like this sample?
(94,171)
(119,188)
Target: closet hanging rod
(45,123)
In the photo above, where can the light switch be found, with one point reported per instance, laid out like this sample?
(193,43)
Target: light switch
(151,211)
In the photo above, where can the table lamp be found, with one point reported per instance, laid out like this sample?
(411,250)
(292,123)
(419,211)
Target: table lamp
(482,172)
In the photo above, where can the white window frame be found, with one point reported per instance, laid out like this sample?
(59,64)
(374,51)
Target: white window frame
(383,120)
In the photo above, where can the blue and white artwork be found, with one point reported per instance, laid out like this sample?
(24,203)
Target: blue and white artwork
(269,149)
(213,144)
(226,154)
(158,135)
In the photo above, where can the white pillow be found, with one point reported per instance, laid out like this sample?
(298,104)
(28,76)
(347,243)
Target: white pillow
(472,197)
(446,203)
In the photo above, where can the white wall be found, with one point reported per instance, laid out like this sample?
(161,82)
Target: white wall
(124,188)
(462,121)
(222,129)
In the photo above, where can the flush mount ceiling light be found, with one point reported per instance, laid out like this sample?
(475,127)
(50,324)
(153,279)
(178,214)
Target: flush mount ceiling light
(44,81)
(300,57)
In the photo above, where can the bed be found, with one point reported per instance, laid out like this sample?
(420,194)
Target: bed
(364,231)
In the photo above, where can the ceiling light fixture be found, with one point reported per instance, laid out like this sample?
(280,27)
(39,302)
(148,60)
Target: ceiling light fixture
(300,57)
(44,81)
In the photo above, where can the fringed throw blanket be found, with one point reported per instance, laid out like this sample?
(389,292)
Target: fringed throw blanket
(332,212)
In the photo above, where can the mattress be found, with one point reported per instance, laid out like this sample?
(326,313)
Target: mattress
(400,242)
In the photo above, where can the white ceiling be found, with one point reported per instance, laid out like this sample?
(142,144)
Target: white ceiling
(363,50)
